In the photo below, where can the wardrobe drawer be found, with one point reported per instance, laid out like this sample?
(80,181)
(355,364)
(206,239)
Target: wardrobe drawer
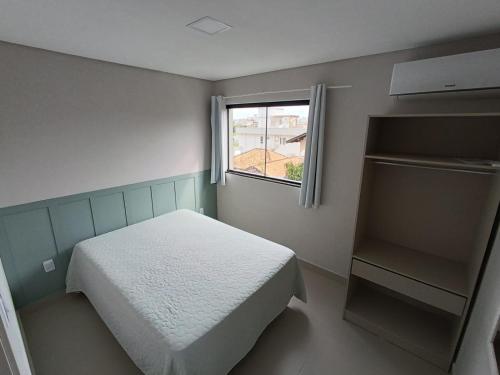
(433,296)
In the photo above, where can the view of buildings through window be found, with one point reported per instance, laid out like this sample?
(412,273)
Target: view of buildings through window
(268,140)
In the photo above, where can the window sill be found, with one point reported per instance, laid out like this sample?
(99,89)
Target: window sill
(267,179)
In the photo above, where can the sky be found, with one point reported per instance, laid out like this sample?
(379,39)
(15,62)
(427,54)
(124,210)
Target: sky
(242,113)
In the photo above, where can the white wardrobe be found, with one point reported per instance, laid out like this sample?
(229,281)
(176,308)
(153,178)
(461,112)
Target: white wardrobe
(428,202)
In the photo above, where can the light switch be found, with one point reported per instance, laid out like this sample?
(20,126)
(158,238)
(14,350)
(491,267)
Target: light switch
(49,265)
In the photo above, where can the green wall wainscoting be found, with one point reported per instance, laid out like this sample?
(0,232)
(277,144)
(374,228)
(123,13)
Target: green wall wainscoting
(34,232)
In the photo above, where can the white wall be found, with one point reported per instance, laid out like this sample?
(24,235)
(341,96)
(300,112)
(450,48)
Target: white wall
(324,236)
(70,125)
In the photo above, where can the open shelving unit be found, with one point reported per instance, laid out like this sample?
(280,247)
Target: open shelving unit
(400,323)
(430,269)
(428,197)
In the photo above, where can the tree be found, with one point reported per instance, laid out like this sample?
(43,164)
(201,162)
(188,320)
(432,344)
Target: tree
(294,172)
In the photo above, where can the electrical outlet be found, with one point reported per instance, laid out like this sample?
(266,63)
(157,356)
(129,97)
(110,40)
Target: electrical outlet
(202,211)
(49,265)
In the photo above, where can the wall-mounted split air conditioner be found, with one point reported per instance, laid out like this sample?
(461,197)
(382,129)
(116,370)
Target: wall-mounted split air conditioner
(464,72)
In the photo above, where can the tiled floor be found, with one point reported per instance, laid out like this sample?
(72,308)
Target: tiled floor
(66,336)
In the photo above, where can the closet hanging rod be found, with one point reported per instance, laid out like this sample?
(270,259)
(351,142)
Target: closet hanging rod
(285,91)
(452,169)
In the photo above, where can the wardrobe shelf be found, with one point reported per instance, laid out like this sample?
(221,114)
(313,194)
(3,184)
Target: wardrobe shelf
(474,165)
(424,267)
(428,335)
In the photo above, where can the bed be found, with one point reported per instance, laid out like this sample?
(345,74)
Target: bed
(184,293)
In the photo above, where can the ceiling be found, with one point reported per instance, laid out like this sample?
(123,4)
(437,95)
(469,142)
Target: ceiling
(266,35)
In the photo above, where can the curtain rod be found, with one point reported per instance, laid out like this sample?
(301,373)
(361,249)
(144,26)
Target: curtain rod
(284,91)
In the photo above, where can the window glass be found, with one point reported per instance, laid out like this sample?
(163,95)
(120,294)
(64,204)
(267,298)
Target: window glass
(268,140)
(247,141)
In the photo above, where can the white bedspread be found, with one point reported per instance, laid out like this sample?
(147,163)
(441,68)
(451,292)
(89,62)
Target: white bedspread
(183,293)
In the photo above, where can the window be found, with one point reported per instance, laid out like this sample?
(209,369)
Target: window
(268,139)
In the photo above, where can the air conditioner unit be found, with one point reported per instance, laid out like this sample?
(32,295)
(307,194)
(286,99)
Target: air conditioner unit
(464,72)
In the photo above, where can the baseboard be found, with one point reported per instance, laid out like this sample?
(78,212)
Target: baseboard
(323,271)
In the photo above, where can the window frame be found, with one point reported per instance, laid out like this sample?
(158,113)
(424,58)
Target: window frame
(229,139)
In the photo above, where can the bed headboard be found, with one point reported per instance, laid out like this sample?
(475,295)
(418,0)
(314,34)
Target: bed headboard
(34,232)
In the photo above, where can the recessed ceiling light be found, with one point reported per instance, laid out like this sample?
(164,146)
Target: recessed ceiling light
(209,25)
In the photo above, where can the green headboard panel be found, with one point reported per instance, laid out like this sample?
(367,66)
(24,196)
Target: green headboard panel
(139,204)
(163,196)
(34,232)
(109,212)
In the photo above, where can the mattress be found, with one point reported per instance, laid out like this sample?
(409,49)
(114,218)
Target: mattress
(183,293)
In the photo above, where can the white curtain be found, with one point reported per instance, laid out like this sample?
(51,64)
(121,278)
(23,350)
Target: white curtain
(310,190)
(218,122)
